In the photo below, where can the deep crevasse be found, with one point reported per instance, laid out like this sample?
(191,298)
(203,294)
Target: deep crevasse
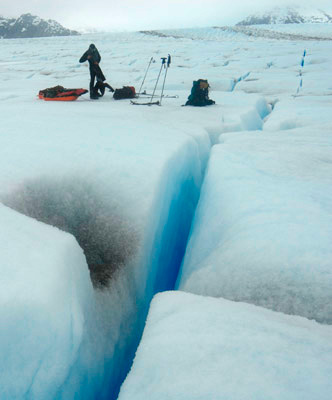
(100,327)
(104,325)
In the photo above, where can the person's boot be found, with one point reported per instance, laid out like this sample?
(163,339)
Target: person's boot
(93,95)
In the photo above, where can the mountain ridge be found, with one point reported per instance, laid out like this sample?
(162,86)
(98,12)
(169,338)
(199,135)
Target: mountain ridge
(287,15)
(31,26)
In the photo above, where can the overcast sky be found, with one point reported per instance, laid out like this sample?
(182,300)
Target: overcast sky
(145,14)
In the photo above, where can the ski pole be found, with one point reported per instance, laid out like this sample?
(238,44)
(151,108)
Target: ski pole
(168,64)
(163,61)
(139,92)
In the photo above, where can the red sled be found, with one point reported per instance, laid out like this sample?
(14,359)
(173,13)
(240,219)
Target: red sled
(59,93)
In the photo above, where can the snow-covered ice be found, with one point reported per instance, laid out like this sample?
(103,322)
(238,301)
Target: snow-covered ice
(124,181)
(114,177)
(45,296)
(262,230)
(196,347)
(263,227)
(307,29)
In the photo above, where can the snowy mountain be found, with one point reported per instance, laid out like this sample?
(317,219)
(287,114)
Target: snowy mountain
(288,15)
(28,26)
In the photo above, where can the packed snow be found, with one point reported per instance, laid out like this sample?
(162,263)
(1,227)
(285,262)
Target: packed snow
(198,347)
(45,296)
(263,227)
(101,198)
(311,30)
(297,32)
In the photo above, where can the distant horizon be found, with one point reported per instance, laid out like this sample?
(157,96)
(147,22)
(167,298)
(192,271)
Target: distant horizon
(129,16)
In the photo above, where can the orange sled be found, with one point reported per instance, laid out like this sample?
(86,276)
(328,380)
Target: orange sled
(59,93)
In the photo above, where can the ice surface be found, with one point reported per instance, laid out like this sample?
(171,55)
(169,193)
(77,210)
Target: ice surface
(322,30)
(124,181)
(262,231)
(110,181)
(45,296)
(111,188)
(251,33)
(197,347)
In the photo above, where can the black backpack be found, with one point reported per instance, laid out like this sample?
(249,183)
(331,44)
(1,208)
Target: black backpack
(199,95)
(127,92)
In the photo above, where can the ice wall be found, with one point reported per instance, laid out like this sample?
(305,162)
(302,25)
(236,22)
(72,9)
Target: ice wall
(78,205)
(122,308)
(46,297)
(262,233)
(131,256)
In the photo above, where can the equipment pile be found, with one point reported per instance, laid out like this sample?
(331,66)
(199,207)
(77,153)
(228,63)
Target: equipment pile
(199,96)
(59,93)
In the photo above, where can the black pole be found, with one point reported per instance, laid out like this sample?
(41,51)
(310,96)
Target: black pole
(168,65)
(163,61)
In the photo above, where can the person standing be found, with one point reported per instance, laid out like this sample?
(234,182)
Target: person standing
(93,57)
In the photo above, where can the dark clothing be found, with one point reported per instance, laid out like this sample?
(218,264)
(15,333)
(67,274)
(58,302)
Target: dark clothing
(199,95)
(95,70)
(99,73)
(92,82)
(101,86)
(94,57)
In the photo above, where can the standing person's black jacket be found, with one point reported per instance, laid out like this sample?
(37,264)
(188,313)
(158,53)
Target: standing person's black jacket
(93,57)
